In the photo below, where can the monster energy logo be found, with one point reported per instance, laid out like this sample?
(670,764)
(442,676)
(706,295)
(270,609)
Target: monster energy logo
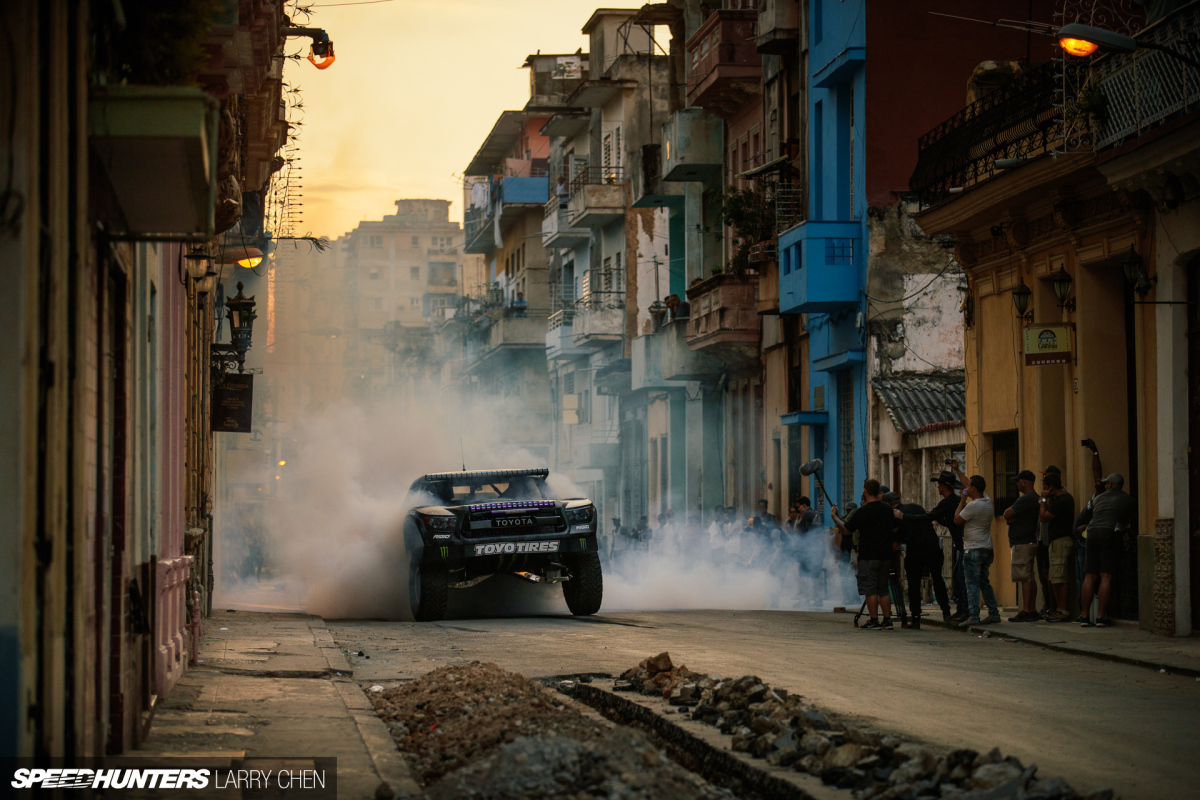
(582,543)
(445,552)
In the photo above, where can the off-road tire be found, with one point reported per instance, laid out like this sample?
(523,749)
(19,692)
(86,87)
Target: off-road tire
(585,590)
(428,588)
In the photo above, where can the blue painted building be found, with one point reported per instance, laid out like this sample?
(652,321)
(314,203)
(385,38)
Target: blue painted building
(822,261)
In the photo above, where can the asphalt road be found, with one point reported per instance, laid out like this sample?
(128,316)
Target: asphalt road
(1095,723)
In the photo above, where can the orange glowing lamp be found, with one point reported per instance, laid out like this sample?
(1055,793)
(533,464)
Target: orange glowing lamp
(1081,40)
(327,57)
(1077,47)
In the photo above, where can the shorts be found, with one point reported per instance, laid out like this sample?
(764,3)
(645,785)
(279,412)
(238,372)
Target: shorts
(1060,559)
(1023,558)
(873,577)
(1103,552)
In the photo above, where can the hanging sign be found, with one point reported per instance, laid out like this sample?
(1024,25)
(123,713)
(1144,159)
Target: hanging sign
(233,404)
(1047,344)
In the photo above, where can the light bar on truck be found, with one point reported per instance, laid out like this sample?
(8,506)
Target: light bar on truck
(513,504)
(494,474)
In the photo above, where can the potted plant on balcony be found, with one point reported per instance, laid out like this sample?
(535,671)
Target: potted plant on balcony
(751,214)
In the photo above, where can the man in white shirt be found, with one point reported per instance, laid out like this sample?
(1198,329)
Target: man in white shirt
(975,513)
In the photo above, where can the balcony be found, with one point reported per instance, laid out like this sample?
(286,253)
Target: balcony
(649,188)
(597,197)
(508,197)
(599,319)
(663,360)
(692,146)
(479,229)
(557,233)
(724,67)
(442,251)
(560,336)
(496,331)
(158,148)
(819,265)
(725,321)
(614,378)
(1022,120)
(1143,89)
(778,26)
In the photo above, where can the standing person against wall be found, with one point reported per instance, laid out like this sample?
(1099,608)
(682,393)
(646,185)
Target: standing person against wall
(1107,518)
(975,512)
(1022,518)
(1058,514)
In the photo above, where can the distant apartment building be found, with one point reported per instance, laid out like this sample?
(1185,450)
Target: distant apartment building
(400,272)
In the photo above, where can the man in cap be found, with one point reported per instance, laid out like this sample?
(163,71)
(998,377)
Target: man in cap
(1057,515)
(1106,520)
(1022,518)
(922,556)
(943,514)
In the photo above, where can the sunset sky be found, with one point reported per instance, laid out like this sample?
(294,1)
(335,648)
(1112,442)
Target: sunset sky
(415,89)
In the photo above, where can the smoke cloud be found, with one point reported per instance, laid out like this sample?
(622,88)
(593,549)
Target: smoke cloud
(330,539)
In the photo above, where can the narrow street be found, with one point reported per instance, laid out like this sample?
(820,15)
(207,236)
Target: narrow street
(1094,723)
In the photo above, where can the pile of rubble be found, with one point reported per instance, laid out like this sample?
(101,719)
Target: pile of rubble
(478,731)
(782,728)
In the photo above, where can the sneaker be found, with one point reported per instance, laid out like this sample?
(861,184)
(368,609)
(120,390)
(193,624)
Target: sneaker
(946,617)
(1061,616)
(1103,622)
(1084,622)
(968,622)
(887,624)
(873,625)
(960,616)
(991,619)
(1024,616)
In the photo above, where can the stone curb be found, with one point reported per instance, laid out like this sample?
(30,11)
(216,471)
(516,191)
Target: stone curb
(1007,631)
(390,765)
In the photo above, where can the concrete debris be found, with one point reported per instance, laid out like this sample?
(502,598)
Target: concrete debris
(477,731)
(780,727)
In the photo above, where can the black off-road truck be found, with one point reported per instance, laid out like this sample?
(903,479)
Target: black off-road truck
(461,528)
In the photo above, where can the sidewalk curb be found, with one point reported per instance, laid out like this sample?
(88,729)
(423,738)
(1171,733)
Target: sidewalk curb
(389,763)
(1110,657)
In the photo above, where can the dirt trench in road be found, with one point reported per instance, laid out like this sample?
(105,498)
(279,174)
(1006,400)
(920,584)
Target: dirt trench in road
(475,730)
(478,731)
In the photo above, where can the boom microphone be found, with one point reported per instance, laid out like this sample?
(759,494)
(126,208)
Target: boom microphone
(809,467)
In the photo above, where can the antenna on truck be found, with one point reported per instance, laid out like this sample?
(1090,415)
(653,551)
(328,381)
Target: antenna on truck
(462,450)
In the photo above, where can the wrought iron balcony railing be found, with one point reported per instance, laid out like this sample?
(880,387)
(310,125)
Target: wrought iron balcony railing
(601,300)
(1026,118)
(608,176)
(1143,89)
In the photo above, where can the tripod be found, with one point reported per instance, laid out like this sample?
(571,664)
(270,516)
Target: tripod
(895,592)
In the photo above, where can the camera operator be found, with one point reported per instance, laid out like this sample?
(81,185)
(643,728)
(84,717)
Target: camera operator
(874,523)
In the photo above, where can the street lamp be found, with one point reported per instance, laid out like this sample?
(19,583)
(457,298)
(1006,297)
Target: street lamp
(1082,40)
(1135,273)
(241,315)
(197,260)
(1061,280)
(1021,294)
(248,257)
